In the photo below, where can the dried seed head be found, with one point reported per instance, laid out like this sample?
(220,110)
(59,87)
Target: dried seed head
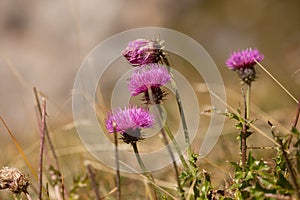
(13,180)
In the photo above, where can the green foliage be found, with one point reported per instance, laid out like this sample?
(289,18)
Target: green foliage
(258,178)
(199,182)
(240,121)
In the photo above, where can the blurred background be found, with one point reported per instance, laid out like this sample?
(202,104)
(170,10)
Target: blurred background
(42,44)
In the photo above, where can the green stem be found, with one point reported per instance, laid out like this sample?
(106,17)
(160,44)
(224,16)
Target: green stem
(181,191)
(168,131)
(165,139)
(144,169)
(180,107)
(171,136)
(248,101)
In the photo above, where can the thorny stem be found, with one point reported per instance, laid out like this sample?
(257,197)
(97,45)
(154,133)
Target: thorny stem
(42,142)
(118,179)
(244,131)
(46,129)
(165,139)
(180,107)
(287,160)
(143,167)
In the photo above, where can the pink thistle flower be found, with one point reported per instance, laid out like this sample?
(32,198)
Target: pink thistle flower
(243,59)
(142,51)
(149,76)
(129,122)
(243,62)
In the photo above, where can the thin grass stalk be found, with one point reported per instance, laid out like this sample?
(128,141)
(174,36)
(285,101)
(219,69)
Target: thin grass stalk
(180,106)
(91,176)
(19,149)
(118,179)
(250,125)
(165,139)
(42,142)
(144,169)
(160,184)
(274,79)
(28,196)
(46,128)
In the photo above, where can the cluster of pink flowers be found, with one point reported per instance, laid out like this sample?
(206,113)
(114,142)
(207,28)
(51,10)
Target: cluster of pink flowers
(145,55)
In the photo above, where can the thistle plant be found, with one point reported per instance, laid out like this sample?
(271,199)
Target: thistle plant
(148,80)
(252,178)
(243,62)
(143,51)
(258,179)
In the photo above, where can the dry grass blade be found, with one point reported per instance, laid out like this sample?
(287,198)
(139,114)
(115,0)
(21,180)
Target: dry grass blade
(42,142)
(263,68)
(190,192)
(159,183)
(19,149)
(91,176)
(39,107)
(251,125)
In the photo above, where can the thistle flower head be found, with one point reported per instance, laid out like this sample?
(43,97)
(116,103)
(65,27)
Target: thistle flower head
(13,180)
(148,76)
(129,122)
(243,62)
(142,51)
(244,59)
(151,76)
